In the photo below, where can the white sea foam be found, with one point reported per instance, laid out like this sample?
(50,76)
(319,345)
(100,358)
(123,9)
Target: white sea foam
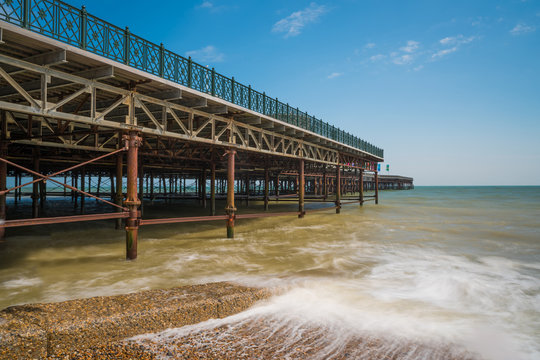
(21,282)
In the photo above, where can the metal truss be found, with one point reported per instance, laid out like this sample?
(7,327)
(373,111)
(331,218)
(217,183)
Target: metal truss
(78,112)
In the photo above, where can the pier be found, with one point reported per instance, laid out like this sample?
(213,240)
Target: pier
(89,110)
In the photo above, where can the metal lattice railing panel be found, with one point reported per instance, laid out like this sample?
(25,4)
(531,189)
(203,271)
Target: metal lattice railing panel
(69,25)
(11,11)
(43,18)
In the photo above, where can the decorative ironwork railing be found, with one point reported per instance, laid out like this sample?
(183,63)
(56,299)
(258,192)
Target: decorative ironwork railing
(63,22)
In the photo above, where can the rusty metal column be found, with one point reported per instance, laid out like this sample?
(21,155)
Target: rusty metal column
(35,186)
(277,186)
(213,189)
(151,185)
(3,177)
(325,185)
(301,189)
(3,174)
(141,184)
(119,195)
(83,182)
(203,188)
(230,209)
(132,202)
(247,189)
(376,187)
(361,187)
(338,189)
(266,188)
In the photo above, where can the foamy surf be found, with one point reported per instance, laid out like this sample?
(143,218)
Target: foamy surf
(307,323)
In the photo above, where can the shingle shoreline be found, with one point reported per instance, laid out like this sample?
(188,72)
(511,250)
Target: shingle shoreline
(56,330)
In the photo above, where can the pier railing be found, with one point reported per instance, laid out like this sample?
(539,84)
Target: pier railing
(73,26)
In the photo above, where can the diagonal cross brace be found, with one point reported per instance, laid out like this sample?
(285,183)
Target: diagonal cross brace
(44,177)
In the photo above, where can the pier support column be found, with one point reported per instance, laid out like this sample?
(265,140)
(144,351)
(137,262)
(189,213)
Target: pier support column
(301,189)
(3,183)
(247,189)
(83,182)
(361,187)
(132,202)
(141,184)
(266,188)
(325,185)
(230,209)
(338,189)
(35,186)
(213,189)
(376,187)
(118,187)
(277,186)
(203,188)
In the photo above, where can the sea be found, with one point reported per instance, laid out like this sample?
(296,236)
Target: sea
(429,273)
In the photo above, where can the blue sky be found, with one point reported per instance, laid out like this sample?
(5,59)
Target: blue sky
(449,89)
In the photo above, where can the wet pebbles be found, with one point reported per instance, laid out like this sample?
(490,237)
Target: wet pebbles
(92,328)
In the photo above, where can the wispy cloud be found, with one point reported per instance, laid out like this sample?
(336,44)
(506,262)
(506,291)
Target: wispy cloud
(211,6)
(459,39)
(444,52)
(369,45)
(452,44)
(206,5)
(207,54)
(403,59)
(293,24)
(334,75)
(414,55)
(521,28)
(411,46)
(377,57)
(406,54)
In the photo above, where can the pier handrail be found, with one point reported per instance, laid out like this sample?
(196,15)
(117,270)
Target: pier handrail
(63,22)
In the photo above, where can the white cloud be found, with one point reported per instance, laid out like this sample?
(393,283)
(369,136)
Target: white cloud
(206,5)
(418,68)
(208,54)
(334,75)
(403,59)
(293,24)
(459,39)
(454,42)
(370,45)
(411,47)
(447,40)
(521,28)
(377,57)
(444,52)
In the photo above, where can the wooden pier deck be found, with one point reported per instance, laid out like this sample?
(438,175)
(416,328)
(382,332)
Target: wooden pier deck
(90,110)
